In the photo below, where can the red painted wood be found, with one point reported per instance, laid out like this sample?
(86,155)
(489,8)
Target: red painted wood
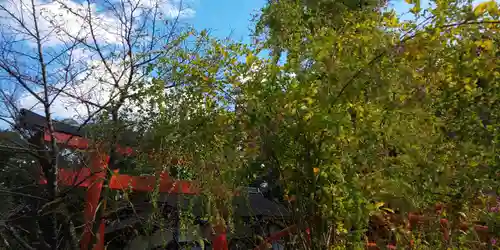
(92,179)
(83,178)
(99,165)
(68,140)
(276,236)
(219,241)
(80,142)
(374,246)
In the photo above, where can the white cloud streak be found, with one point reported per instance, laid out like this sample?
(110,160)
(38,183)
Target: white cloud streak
(61,21)
(95,86)
(58,20)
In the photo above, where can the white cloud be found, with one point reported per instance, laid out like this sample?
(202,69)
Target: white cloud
(59,20)
(95,84)
(64,25)
(171,8)
(55,22)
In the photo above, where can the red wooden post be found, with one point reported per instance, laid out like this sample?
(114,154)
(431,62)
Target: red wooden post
(219,241)
(98,167)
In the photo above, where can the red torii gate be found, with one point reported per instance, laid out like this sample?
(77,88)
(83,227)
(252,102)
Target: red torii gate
(92,179)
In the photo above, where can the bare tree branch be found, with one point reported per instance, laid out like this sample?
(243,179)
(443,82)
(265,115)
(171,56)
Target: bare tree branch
(18,238)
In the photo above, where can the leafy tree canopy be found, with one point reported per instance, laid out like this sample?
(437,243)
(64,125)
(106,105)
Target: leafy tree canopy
(365,108)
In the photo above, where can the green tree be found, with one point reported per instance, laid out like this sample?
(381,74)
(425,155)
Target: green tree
(365,108)
(289,26)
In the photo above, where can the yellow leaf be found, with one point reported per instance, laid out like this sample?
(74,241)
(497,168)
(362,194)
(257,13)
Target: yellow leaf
(468,87)
(481,9)
(487,45)
(309,100)
(493,8)
(409,1)
(391,20)
(316,170)
(416,9)
(250,58)
(388,210)
(308,116)
(379,204)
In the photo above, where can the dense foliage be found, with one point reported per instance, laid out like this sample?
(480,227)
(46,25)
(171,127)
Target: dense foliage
(362,109)
(354,114)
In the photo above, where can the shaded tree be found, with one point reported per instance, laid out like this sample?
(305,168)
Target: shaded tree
(91,66)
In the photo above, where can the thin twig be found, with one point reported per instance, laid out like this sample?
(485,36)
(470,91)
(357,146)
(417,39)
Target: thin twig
(22,194)
(18,238)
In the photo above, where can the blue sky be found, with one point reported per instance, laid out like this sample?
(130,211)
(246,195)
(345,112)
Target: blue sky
(226,17)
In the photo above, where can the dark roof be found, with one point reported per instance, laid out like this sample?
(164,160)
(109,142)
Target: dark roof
(130,222)
(31,120)
(253,204)
(258,205)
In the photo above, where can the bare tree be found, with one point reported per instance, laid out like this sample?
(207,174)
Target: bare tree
(86,59)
